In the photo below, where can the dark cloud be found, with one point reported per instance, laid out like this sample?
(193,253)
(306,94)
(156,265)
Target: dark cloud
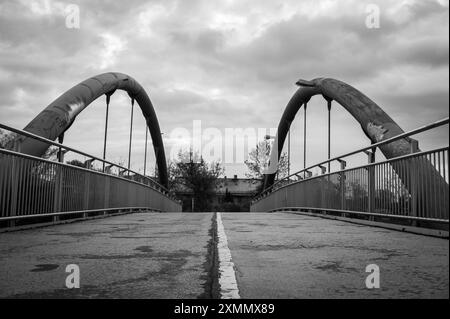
(227,63)
(406,108)
(425,52)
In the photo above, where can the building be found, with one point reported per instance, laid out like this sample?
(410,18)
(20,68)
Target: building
(231,194)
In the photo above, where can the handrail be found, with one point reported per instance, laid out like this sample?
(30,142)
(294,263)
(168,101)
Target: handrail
(387,161)
(43,160)
(162,189)
(421,129)
(18,217)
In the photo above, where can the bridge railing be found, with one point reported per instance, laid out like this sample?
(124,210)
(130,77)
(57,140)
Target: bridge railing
(31,186)
(412,187)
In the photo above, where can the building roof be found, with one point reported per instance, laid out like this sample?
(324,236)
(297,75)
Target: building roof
(237,185)
(234,186)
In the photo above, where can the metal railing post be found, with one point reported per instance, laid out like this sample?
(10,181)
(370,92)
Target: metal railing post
(58,191)
(58,180)
(106,192)
(86,191)
(285,197)
(323,184)
(14,184)
(108,169)
(87,183)
(342,183)
(414,181)
(371,182)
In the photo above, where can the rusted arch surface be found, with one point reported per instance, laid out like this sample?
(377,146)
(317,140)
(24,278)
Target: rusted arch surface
(375,123)
(56,118)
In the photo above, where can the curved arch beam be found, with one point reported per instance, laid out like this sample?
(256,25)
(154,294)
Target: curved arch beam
(56,118)
(375,123)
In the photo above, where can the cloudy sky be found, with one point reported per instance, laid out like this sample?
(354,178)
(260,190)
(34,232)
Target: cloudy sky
(229,63)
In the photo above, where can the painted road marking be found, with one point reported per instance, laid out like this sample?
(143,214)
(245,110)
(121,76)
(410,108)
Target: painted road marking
(227,276)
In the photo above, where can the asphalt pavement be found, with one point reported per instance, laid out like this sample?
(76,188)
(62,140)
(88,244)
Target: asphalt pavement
(282,255)
(174,255)
(142,255)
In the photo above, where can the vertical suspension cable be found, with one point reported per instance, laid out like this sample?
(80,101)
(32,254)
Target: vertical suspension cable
(329,140)
(289,150)
(145,154)
(131,135)
(304,138)
(329,131)
(108,96)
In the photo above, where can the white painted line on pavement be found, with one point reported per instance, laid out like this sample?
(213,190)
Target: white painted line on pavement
(227,276)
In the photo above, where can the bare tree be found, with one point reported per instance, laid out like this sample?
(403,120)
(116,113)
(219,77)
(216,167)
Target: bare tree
(258,159)
(191,172)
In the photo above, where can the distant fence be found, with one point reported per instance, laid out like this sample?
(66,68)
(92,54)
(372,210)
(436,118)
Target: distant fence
(414,187)
(31,185)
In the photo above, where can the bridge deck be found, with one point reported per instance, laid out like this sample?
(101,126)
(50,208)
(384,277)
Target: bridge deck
(142,255)
(283,255)
(279,255)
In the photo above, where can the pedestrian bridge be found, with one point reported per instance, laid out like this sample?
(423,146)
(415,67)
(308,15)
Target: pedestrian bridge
(297,241)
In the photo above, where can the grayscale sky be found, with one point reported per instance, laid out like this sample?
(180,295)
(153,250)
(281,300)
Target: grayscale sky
(230,64)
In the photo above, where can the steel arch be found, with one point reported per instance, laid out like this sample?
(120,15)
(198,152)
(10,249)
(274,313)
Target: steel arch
(375,123)
(57,117)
